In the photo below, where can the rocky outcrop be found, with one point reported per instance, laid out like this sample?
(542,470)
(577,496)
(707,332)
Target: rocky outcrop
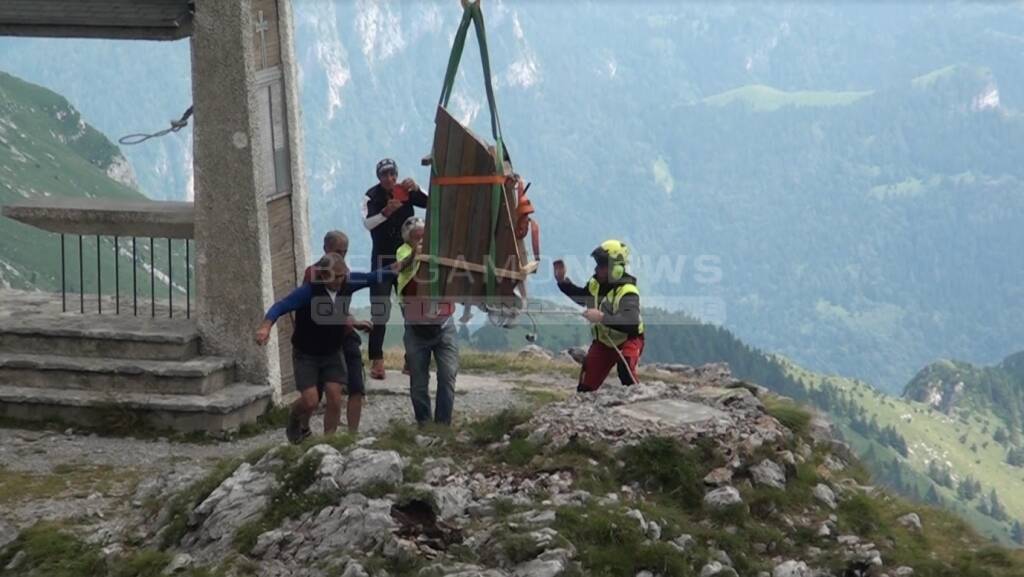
(448,506)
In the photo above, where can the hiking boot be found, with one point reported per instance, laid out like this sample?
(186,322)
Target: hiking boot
(377,370)
(294,431)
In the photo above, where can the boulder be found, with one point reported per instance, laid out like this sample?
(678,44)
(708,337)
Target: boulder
(791,569)
(823,493)
(769,474)
(723,497)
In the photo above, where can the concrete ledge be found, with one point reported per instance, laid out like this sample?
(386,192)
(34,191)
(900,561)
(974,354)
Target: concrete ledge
(226,409)
(106,217)
(111,337)
(201,375)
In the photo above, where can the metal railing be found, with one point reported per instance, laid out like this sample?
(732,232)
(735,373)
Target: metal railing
(137,262)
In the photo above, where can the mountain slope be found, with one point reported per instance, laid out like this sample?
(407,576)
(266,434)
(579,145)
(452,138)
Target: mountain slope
(862,209)
(914,448)
(47,150)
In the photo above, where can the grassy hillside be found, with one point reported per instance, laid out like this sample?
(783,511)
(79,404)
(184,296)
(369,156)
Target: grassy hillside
(765,98)
(901,441)
(47,150)
(961,442)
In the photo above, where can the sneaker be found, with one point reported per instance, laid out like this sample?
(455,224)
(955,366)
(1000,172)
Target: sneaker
(294,429)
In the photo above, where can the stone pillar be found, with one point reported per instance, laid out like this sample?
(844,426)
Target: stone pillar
(300,194)
(241,163)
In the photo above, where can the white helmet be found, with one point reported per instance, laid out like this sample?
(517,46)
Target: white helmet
(413,222)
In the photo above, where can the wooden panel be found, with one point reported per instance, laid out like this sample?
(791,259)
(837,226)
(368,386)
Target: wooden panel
(464,218)
(282,266)
(266,34)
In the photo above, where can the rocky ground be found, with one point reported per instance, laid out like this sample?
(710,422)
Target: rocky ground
(698,475)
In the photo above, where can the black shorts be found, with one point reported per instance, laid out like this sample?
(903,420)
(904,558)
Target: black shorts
(354,362)
(315,370)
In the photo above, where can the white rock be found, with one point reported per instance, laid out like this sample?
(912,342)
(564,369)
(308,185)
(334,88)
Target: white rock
(425,441)
(716,569)
(911,521)
(345,473)
(823,493)
(8,533)
(548,564)
(723,497)
(179,563)
(722,557)
(354,569)
(768,473)
(653,531)
(635,514)
(792,569)
(903,571)
(451,501)
(718,477)
(239,499)
(683,543)
(535,352)
(15,561)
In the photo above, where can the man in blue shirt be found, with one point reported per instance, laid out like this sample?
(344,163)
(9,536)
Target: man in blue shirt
(324,342)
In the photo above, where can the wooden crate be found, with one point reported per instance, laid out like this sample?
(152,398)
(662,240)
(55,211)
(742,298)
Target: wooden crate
(464,215)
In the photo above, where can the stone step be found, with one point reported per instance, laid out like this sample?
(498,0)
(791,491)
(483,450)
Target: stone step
(117,337)
(223,410)
(197,376)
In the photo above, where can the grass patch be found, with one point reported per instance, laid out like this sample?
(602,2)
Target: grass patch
(493,429)
(661,465)
(49,551)
(609,544)
(592,465)
(143,564)
(539,397)
(795,417)
(519,453)
(275,418)
(18,486)
(859,514)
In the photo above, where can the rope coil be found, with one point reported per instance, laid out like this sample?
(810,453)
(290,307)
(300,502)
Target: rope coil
(176,125)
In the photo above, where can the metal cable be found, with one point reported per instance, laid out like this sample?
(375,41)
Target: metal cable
(176,125)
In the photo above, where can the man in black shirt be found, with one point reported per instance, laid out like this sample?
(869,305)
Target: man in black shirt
(386,207)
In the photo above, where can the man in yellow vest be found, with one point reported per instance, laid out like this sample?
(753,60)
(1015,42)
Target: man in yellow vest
(429,333)
(612,304)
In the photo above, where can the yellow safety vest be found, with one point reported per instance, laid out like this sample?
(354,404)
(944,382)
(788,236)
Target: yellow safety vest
(405,275)
(609,306)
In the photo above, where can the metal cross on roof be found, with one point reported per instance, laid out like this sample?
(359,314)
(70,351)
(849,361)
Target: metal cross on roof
(262,25)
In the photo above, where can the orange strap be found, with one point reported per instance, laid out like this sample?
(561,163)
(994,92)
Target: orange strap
(483,179)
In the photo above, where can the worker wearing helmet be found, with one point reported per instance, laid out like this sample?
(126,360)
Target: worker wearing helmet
(612,304)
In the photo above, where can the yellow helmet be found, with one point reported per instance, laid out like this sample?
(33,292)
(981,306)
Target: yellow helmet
(616,253)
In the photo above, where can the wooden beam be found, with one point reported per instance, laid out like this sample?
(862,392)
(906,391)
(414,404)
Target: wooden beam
(474,267)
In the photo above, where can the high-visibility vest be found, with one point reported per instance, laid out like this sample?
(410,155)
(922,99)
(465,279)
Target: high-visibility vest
(405,275)
(609,306)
